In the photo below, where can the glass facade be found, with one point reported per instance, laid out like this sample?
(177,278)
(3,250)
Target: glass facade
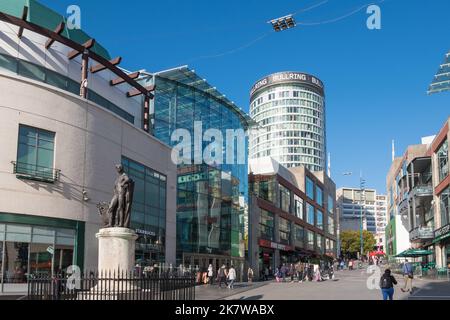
(441,81)
(148,216)
(212,198)
(292,118)
(319,196)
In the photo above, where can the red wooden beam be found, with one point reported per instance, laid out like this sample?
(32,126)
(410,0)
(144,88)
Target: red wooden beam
(100,67)
(75,53)
(118,81)
(24,18)
(59,29)
(135,92)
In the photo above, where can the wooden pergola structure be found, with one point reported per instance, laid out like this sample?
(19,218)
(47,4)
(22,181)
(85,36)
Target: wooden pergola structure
(87,54)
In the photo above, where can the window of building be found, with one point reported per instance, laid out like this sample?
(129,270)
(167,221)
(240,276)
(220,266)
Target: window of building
(35,155)
(285,199)
(330,205)
(298,207)
(299,236)
(310,214)
(444,199)
(320,219)
(285,231)
(266,225)
(310,240)
(443,164)
(309,188)
(331,229)
(320,246)
(319,196)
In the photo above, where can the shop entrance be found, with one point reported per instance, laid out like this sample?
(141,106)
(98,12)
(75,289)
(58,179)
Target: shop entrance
(266,261)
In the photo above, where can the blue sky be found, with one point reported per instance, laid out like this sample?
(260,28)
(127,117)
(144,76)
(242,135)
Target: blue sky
(376,81)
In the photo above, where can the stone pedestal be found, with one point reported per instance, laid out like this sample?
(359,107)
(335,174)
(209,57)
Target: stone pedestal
(116,250)
(116,258)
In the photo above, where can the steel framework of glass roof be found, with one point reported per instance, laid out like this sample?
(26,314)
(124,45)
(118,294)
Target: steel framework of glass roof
(441,81)
(188,77)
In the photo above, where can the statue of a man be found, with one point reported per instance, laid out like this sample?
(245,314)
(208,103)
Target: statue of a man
(120,207)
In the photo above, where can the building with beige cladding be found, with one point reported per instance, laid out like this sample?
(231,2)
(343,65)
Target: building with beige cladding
(60,142)
(419,201)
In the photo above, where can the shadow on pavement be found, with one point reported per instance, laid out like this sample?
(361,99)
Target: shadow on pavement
(432,291)
(258,297)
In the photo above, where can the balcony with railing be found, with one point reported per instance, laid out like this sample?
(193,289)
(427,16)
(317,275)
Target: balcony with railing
(34,172)
(421,234)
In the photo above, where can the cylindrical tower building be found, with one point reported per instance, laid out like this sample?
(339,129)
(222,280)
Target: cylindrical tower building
(289,108)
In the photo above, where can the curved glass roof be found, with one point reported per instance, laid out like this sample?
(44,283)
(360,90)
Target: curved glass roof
(441,81)
(49,19)
(188,77)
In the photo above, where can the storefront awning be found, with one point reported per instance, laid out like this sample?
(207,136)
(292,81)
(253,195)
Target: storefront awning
(443,237)
(412,253)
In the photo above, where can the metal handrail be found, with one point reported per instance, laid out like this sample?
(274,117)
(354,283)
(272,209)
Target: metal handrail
(35,172)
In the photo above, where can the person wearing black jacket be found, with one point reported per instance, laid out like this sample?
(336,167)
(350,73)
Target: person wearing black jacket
(387,283)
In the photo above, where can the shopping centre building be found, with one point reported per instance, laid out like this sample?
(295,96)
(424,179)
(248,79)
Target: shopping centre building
(212,197)
(68,115)
(292,215)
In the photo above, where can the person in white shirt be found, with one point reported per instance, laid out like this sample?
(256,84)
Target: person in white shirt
(210,274)
(231,277)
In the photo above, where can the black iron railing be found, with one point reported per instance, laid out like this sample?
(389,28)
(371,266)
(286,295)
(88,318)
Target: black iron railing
(113,286)
(35,172)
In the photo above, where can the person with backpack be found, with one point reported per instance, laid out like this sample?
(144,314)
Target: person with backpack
(408,274)
(387,283)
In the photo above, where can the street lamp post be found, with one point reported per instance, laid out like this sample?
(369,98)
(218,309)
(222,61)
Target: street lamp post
(362,185)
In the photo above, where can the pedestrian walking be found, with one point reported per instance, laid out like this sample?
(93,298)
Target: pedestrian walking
(284,271)
(231,277)
(210,274)
(408,275)
(387,283)
(222,276)
(292,272)
(266,274)
(250,275)
(350,265)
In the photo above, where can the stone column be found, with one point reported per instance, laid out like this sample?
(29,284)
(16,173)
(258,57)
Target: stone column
(116,249)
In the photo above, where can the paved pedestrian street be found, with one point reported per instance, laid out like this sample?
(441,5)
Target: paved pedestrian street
(348,285)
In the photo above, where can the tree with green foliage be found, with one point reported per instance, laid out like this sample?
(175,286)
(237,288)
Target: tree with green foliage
(351,242)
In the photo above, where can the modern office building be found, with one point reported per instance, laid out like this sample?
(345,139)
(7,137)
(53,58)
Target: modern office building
(212,195)
(67,117)
(441,81)
(289,108)
(358,206)
(292,215)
